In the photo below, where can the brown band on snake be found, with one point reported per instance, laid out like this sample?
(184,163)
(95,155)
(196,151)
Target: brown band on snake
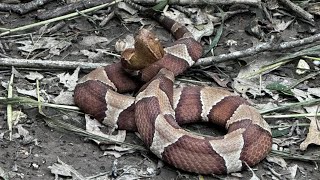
(120,78)
(158,109)
(224,109)
(167,136)
(187,104)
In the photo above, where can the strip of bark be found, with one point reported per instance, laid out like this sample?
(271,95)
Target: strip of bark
(48,64)
(70,8)
(268,46)
(60,18)
(23,8)
(202,2)
(298,10)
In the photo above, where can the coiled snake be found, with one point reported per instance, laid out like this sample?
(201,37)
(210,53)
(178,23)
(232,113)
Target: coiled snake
(158,109)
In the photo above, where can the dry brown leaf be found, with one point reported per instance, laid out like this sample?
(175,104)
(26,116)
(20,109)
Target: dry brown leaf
(54,45)
(69,81)
(293,171)
(34,76)
(314,8)
(63,169)
(93,126)
(64,97)
(92,55)
(313,136)
(277,160)
(92,40)
(203,26)
(32,92)
(122,44)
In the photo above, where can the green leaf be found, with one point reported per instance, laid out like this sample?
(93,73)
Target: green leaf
(280,133)
(160,6)
(217,37)
(277,86)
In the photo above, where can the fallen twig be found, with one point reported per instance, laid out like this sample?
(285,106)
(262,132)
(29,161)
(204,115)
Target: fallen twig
(9,107)
(289,155)
(59,18)
(35,103)
(291,105)
(38,63)
(202,2)
(298,10)
(70,8)
(280,116)
(23,8)
(268,46)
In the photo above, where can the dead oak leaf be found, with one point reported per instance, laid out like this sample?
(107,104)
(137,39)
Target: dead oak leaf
(313,136)
(92,40)
(54,45)
(34,76)
(282,25)
(92,55)
(69,81)
(94,127)
(64,97)
(32,92)
(63,169)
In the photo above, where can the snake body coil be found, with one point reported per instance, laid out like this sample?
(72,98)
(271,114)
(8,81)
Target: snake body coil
(158,110)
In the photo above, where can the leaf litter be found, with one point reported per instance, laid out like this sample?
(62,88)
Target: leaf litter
(272,81)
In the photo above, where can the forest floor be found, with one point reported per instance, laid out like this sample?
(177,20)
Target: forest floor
(52,143)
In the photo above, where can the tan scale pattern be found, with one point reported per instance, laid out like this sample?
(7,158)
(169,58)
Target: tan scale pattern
(187,35)
(175,27)
(176,96)
(257,141)
(209,98)
(230,148)
(116,103)
(164,135)
(248,112)
(154,90)
(98,74)
(180,51)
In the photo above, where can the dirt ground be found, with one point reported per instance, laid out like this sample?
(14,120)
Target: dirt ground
(23,158)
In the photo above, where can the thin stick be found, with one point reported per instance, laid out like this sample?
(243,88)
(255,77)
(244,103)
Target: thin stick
(289,125)
(291,105)
(9,107)
(268,46)
(202,2)
(298,10)
(22,8)
(60,125)
(38,63)
(32,102)
(291,115)
(70,8)
(304,79)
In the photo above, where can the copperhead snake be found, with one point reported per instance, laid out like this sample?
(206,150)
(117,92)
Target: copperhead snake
(158,109)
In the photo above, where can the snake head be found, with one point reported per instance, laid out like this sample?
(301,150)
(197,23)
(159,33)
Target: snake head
(147,50)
